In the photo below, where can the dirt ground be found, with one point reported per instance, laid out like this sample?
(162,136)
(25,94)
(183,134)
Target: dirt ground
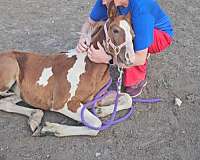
(160,131)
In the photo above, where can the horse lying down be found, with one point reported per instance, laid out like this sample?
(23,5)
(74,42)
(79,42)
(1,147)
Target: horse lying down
(63,82)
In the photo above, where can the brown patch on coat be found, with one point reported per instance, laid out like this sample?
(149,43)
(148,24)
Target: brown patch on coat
(21,59)
(62,64)
(8,70)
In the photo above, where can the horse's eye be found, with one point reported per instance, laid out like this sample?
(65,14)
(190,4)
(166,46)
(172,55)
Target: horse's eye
(115,30)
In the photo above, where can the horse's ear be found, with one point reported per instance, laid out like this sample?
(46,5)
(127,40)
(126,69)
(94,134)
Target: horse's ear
(112,10)
(128,17)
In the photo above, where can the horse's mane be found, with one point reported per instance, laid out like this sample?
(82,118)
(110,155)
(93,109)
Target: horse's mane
(98,26)
(97,33)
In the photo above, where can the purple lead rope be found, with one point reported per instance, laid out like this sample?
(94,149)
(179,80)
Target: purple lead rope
(142,100)
(102,94)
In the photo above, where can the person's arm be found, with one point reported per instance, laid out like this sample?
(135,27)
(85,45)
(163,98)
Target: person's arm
(137,58)
(85,37)
(98,12)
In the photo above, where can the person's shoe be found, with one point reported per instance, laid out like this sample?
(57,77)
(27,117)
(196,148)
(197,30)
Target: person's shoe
(137,89)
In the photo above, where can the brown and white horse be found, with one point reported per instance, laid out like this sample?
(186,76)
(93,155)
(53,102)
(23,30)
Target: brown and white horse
(62,82)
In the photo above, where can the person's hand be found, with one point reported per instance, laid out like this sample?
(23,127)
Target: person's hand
(98,55)
(83,43)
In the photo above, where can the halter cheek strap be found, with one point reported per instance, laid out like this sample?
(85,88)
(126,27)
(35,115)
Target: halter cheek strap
(109,42)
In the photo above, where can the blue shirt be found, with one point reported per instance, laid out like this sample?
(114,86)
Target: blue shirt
(145,16)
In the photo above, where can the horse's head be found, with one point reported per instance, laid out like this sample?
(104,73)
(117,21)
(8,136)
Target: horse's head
(117,36)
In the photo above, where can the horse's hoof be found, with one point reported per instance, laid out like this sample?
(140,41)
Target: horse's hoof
(45,130)
(38,132)
(101,112)
(98,111)
(35,119)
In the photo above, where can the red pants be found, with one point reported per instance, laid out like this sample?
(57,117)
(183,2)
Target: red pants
(134,75)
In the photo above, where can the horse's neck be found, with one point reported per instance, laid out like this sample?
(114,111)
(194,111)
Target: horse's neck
(98,36)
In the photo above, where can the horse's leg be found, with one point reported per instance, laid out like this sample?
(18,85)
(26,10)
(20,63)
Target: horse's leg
(35,115)
(65,130)
(106,106)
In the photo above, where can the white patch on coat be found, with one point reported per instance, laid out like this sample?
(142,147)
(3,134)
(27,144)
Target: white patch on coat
(65,111)
(126,27)
(46,74)
(71,52)
(75,72)
(88,116)
(65,130)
